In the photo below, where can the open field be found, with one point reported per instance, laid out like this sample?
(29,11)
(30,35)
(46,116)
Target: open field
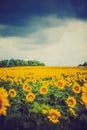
(42,97)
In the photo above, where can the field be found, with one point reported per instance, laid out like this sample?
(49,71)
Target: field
(41,98)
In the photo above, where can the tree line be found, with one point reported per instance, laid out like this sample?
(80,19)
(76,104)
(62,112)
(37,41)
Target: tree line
(18,62)
(84,64)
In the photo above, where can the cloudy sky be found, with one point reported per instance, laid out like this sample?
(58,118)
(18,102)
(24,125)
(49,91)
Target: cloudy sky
(51,31)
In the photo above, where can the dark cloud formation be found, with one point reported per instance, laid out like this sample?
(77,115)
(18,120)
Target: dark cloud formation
(16,13)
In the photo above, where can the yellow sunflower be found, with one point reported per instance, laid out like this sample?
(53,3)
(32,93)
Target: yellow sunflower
(54,115)
(43,90)
(84,95)
(71,101)
(25,86)
(3,92)
(4,103)
(76,88)
(12,93)
(60,84)
(72,111)
(30,97)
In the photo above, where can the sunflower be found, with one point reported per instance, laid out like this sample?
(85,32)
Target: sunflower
(3,92)
(84,95)
(12,93)
(43,90)
(25,86)
(76,88)
(60,84)
(71,101)
(30,97)
(72,111)
(4,103)
(54,115)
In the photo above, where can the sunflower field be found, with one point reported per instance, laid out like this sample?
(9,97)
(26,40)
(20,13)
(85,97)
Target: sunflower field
(42,98)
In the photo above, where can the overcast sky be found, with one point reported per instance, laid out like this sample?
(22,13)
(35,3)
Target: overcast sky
(51,31)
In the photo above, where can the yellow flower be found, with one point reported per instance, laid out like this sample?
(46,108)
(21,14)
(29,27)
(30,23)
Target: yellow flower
(60,84)
(30,97)
(84,95)
(71,101)
(4,103)
(26,87)
(43,90)
(76,88)
(54,115)
(72,111)
(3,92)
(12,93)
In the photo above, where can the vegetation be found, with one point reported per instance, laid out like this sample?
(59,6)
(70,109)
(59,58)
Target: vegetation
(84,64)
(18,62)
(42,98)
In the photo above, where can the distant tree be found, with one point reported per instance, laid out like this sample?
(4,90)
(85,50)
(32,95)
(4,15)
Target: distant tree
(10,63)
(18,62)
(84,64)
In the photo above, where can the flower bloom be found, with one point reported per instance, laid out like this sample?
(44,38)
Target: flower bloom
(71,101)
(30,97)
(3,92)
(72,111)
(54,115)
(4,102)
(26,87)
(60,84)
(76,88)
(12,93)
(84,95)
(43,90)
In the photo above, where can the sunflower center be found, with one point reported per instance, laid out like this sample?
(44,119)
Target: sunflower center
(76,88)
(25,86)
(30,97)
(54,116)
(44,89)
(71,102)
(12,93)
(60,84)
(28,88)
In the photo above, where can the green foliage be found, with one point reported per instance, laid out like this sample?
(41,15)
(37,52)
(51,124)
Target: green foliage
(18,62)
(84,64)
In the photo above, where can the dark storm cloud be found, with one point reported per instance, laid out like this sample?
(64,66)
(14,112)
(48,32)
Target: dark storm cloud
(18,13)
(14,12)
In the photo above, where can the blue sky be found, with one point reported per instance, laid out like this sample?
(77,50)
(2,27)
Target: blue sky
(51,31)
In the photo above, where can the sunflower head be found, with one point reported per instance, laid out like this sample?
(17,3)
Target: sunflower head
(71,101)
(3,92)
(72,111)
(30,97)
(54,115)
(84,95)
(60,84)
(26,87)
(12,93)
(43,90)
(76,88)
(4,103)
